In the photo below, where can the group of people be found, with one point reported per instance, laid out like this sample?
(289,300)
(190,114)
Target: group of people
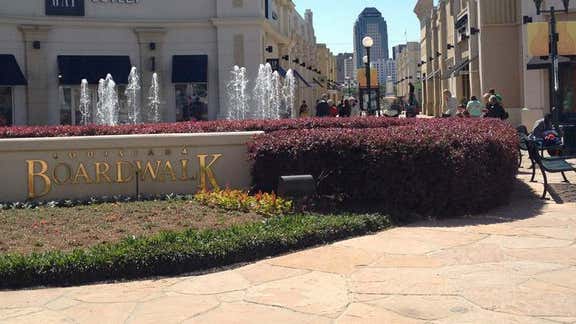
(491,108)
(327,108)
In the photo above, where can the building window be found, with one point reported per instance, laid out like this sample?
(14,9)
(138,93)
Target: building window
(191,101)
(70,105)
(6,106)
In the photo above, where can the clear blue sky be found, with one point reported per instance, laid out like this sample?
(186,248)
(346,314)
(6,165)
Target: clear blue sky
(334,20)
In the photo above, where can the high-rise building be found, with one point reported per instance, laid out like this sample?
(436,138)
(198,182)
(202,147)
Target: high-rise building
(341,60)
(386,68)
(397,50)
(349,70)
(371,23)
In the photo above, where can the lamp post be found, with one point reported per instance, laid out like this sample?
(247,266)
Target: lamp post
(349,84)
(368,42)
(554,68)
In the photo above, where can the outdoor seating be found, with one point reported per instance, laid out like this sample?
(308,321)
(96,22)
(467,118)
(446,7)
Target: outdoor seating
(548,164)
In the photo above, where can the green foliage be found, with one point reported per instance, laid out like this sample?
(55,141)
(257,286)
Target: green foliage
(266,204)
(171,253)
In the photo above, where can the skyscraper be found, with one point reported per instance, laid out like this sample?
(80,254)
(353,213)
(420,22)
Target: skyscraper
(371,23)
(341,61)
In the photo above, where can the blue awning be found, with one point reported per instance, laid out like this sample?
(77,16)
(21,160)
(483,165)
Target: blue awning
(10,72)
(189,68)
(93,68)
(281,71)
(299,76)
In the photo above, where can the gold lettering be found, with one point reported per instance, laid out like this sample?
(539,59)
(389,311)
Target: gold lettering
(206,172)
(32,175)
(168,172)
(148,170)
(102,173)
(184,151)
(120,172)
(81,173)
(90,155)
(185,176)
(121,154)
(56,175)
(72,155)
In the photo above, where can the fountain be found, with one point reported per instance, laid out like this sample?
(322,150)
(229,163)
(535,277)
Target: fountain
(288,92)
(237,96)
(154,100)
(84,106)
(133,97)
(275,97)
(107,105)
(262,92)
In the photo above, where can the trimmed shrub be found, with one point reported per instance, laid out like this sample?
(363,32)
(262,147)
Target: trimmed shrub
(440,167)
(199,127)
(266,204)
(172,253)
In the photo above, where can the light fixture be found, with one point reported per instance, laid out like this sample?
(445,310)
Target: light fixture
(438,54)
(474,30)
(365,59)
(367,42)
(538,4)
(269,49)
(566,5)
(286,58)
(449,46)
(296,60)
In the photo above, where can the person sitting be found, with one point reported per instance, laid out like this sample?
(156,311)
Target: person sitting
(495,109)
(304,112)
(450,104)
(474,107)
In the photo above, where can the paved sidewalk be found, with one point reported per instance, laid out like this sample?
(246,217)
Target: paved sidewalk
(515,265)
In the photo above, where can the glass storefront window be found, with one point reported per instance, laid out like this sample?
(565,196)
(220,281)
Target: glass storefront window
(191,101)
(70,104)
(6,106)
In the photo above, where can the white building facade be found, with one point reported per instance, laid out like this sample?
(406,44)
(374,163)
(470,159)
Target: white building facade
(47,47)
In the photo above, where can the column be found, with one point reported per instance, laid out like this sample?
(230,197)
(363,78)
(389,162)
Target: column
(474,42)
(150,43)
(39,80)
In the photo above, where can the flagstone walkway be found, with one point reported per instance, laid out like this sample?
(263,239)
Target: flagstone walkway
(515,265)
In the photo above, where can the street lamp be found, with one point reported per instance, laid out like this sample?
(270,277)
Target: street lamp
(553,36)
(368,42)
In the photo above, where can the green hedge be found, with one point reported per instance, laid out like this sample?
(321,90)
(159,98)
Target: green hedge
(173,253)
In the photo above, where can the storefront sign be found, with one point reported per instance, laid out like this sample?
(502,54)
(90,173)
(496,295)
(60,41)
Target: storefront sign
(100,168)
(64,7)
(125,165)
(363,80)
(538,38)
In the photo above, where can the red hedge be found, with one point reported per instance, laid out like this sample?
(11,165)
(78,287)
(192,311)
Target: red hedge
(200,127)
(432,167)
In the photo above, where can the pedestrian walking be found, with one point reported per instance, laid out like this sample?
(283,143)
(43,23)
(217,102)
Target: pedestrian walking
(323,108)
